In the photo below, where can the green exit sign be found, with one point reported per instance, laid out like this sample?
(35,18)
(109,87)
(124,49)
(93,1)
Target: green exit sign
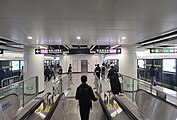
(163,50)
(29,87)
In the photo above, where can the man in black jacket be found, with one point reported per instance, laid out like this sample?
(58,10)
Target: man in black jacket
(47,73)
(97,71)
(85,96)
(153,75)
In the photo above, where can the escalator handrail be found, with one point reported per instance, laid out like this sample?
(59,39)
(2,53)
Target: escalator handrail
(105,110)
(125,109)
(31,111)
(2,97)
(49,115)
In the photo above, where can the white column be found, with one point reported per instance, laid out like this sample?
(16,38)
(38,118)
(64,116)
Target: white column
(128,61)
(34,66)
(128,66)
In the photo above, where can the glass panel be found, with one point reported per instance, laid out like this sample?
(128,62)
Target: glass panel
(144,86)
(127,86)
(65,82)
(26,90)
(29,89)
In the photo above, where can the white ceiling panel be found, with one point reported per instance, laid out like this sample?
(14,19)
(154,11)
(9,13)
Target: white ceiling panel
(96,21)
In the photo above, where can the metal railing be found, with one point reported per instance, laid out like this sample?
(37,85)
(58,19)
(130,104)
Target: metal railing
(130,85)
(26,89)
(9,80)
(62,84)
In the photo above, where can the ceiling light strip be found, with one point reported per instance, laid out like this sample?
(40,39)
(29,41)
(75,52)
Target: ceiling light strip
(172,36)
(115,46)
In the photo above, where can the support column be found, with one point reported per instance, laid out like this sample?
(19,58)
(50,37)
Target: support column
(128,66)
(128,61)
(33,66)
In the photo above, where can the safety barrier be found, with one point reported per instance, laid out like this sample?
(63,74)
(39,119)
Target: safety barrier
(26,89)
(130,85)
(9,80)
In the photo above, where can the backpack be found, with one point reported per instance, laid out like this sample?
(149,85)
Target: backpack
(84,95)
(103,69)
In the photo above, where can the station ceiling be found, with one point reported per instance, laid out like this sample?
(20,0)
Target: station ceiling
(97,22)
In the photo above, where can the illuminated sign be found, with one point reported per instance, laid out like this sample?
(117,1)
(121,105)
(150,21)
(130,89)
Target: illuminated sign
(163,50)
(108,51)
(48,51)
(1,51)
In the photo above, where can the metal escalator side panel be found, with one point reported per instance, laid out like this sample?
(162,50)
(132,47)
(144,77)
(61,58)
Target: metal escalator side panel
(58,110)
(154,108)
(32,110)
(125,109)
(104,108)
(9,106)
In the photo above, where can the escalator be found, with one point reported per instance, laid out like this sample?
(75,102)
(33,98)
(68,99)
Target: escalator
(67,109)
(117,110)
(58,107)
(64,108)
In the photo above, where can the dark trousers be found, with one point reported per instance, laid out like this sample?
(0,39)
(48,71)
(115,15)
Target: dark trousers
(53,74)
(98,74)
(84,113)
(47,78)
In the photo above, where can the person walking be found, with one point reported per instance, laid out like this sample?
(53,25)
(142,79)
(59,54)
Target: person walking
(111,77)
(97,71)
(70,73)
(85,96)
(116,82)
(52,69)
(103,71)
(2,75)
(47,73)
(70,69)
(153,75)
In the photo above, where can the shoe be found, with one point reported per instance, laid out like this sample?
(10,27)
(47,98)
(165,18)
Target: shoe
(121,94)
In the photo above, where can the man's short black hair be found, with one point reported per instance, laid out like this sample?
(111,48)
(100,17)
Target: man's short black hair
(83,78)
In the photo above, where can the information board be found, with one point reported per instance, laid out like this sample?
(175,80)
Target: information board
(163,50)
(108,51)
(48,51)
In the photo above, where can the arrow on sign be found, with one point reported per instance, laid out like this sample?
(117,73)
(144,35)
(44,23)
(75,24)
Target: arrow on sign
(1,51)
(37,51)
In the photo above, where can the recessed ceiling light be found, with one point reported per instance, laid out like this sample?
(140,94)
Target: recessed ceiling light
(123,38)
(29,37)
(78,37)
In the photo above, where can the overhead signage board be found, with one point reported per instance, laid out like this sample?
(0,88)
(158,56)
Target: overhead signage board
(109,51)
(1,51)
(163,50)
(48,51)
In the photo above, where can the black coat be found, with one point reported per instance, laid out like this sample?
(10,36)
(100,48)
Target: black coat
(85,100)
(47,72)
(111,74)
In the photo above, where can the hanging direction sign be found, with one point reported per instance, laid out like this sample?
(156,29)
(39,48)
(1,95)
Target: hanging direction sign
(48,51)
(109,51)
(163,50)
